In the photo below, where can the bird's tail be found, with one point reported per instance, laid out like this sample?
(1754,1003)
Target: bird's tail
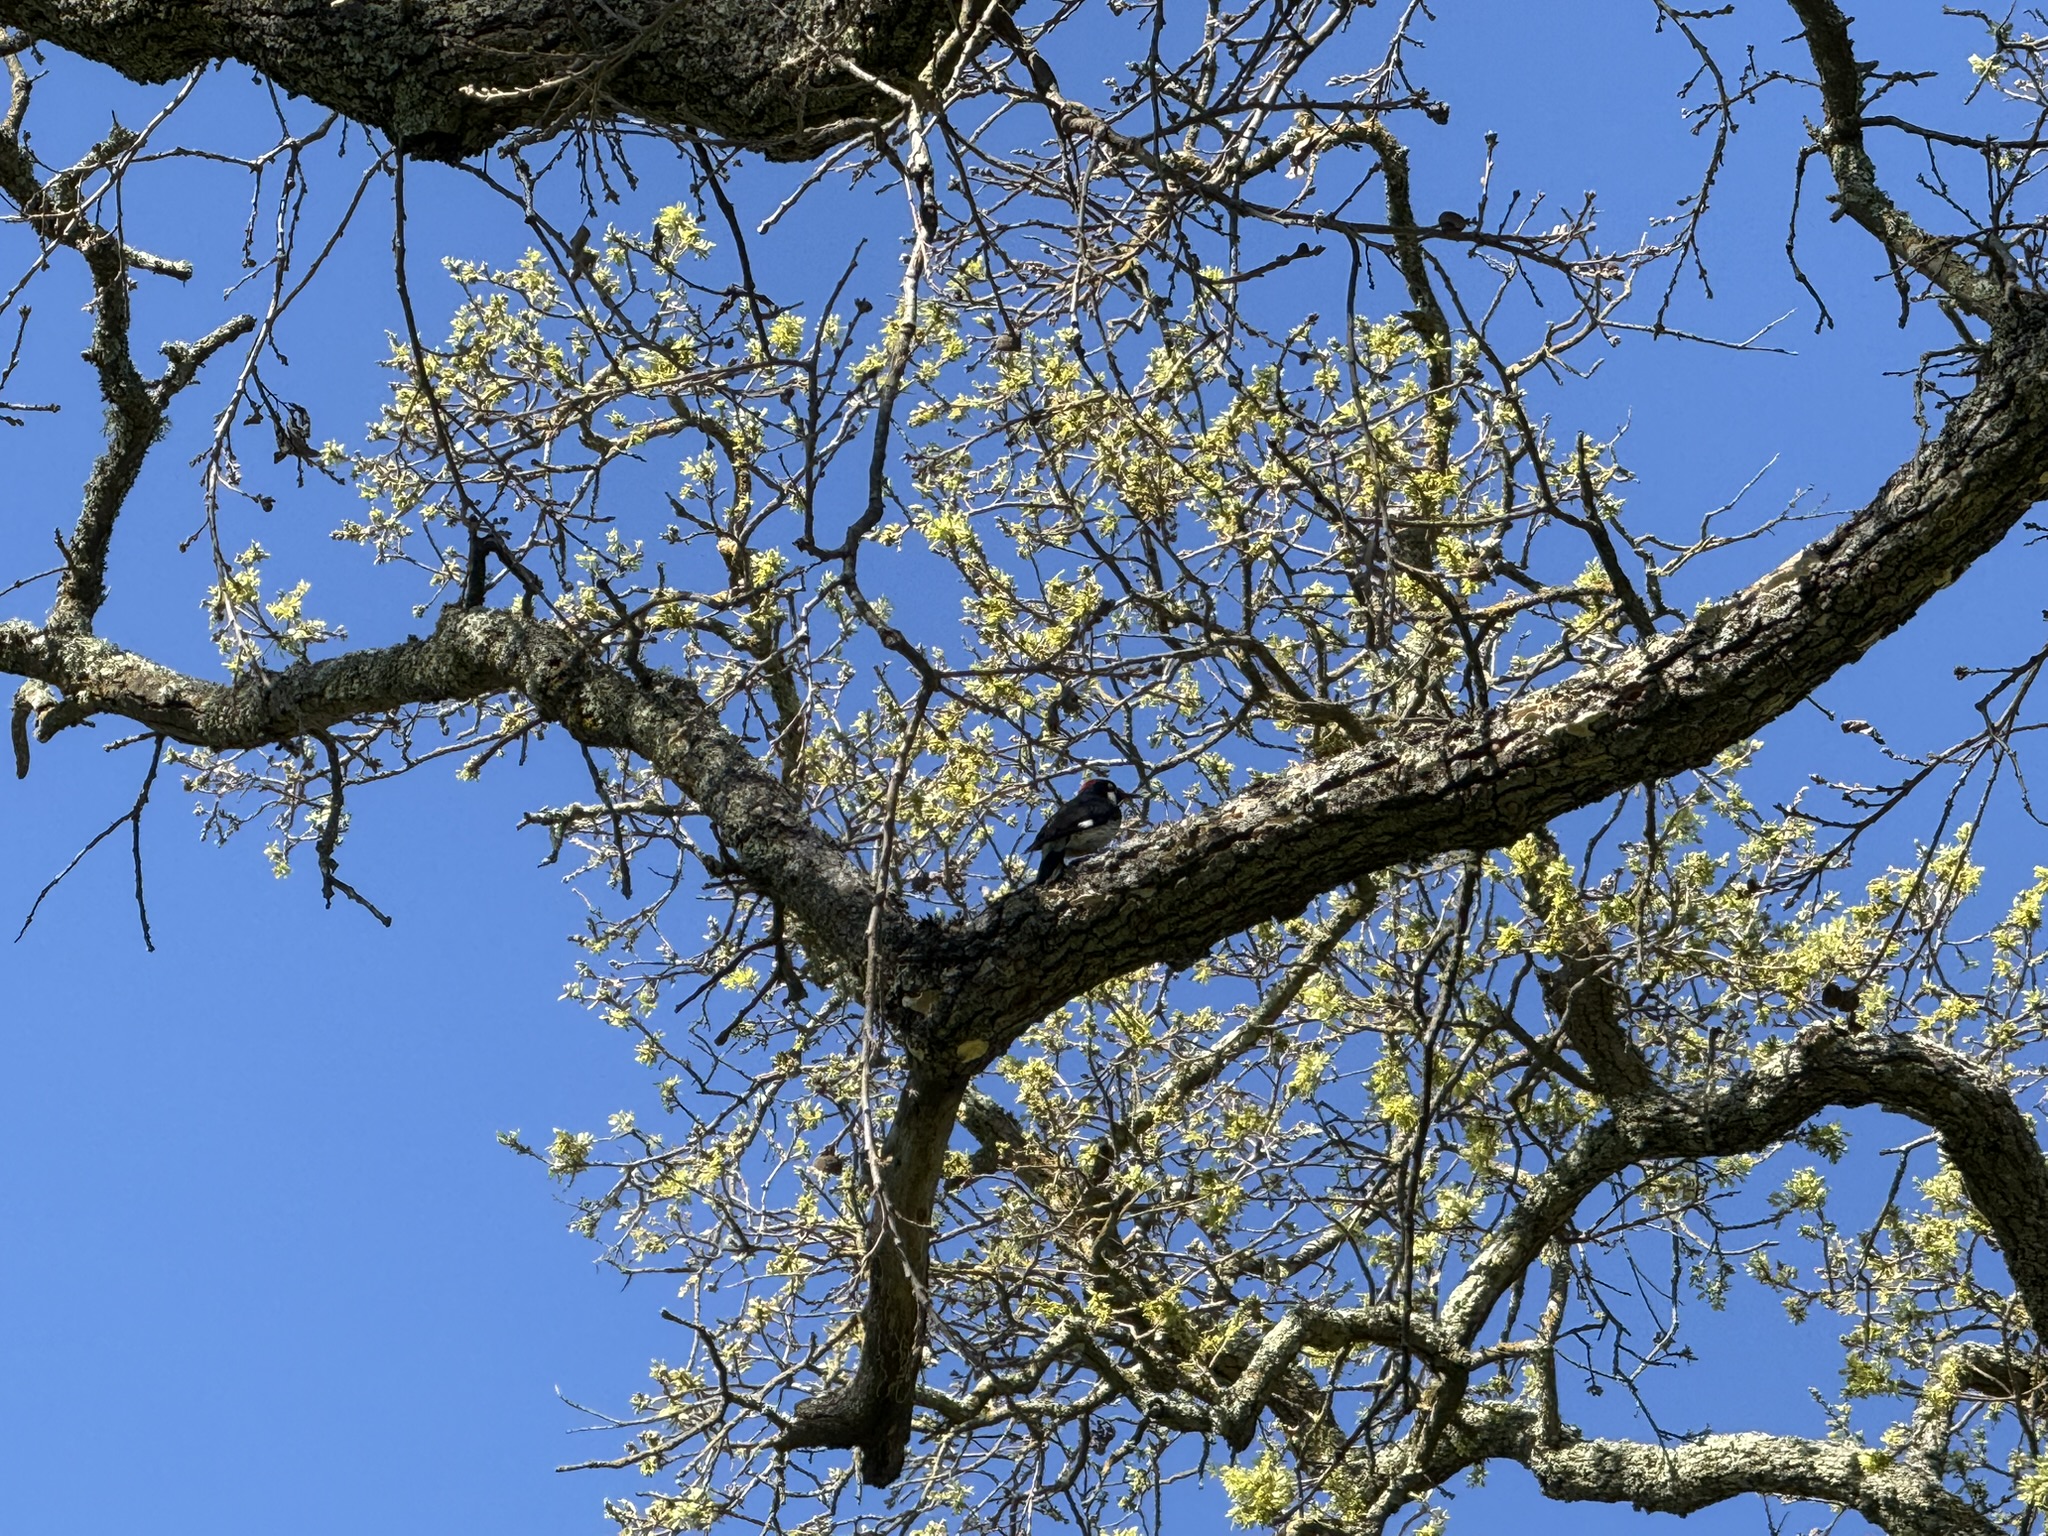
(1053,862)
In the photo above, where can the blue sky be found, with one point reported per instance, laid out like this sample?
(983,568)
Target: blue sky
(266,1264)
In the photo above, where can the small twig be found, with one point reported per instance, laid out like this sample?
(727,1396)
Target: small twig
(156,757)
(1603,544)
(483,534)
(132,816)
(330,836)
(618,823)
(871,1040)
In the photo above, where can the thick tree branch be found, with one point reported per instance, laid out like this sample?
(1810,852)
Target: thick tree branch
(871,1412)
(452,78)
(1982,1132)
(1663,707)
(474,654)
(1309,1326)
(1896,1496)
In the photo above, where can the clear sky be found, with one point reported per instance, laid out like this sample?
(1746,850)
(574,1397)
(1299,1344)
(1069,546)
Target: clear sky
(265,1266)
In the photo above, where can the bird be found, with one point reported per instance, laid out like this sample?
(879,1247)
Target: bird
(1082,826)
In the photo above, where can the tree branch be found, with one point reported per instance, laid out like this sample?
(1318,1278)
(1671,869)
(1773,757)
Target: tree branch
(449,80)
(871,1412)
(1663,707)
(1857,193)
(1982,1132)
(471,655)
(1896,1496)
(137,408)
(1582,991)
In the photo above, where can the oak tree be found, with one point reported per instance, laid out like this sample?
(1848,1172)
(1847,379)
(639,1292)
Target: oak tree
(1317,1130)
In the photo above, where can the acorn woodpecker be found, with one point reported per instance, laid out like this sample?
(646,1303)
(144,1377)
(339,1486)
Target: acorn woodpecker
(1082,826)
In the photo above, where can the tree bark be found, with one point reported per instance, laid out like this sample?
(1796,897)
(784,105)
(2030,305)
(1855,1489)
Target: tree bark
(1898,1496)
(449,78)
(871,1412)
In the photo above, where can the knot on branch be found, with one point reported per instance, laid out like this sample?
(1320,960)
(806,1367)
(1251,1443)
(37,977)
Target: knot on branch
(859,1417)
(31,698)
